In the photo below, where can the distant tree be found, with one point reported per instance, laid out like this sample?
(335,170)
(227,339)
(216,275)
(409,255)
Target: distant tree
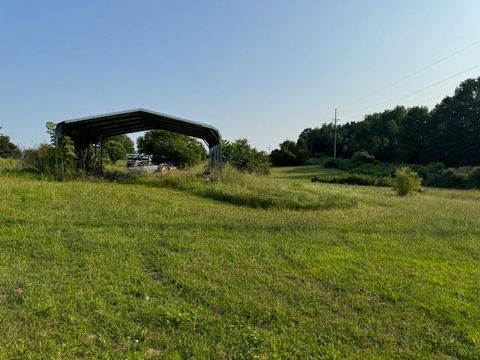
(171,147)
(246,158)
(454,136)
(289,154)
(7,148)
(115,150)
(413,134)
(127,143)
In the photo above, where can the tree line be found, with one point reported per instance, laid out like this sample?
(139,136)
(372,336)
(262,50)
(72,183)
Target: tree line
(449,133)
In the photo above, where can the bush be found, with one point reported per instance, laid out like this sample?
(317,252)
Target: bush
(363,157)
(331,163)
(406,181)
(475,178)
(40,159)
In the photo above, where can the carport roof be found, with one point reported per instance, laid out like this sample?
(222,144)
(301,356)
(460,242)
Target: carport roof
(93,129)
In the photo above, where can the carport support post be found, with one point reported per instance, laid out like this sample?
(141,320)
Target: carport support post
(57,150)
(101,154)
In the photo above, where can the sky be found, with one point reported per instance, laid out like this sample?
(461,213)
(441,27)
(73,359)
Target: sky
(261,70)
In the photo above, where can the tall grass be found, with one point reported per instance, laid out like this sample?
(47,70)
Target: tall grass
(234,187)
(9,164)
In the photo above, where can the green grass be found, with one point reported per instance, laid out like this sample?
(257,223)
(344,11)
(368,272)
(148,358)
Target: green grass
(302,173)
(9,164)
(120,271)
(233,187)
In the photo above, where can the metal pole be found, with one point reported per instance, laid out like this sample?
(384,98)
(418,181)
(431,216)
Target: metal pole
(57,145)
(101,154)
(335,138)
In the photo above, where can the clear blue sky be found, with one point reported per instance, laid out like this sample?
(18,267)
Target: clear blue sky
(264,70)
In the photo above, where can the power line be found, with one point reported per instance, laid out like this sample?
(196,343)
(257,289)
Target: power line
(335,137)
(419,71)
(418,90)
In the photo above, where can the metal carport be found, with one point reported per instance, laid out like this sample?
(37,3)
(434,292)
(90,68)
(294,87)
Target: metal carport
(97,129)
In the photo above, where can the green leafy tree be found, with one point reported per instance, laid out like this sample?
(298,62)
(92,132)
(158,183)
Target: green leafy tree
(289,153)
(7,148)
(246,158)
(167,146)
(126,142)
(115,150)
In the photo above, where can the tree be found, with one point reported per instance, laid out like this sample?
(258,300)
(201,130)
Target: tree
(115,150)
(167,146)
(246,158)
(7,148)
(289,154)
(455,127)
(127,143)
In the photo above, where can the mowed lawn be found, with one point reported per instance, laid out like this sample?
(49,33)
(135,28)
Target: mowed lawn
(103,270)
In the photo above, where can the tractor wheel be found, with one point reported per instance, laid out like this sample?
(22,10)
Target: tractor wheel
(164,169)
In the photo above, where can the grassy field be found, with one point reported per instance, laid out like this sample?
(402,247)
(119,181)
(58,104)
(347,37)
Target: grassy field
(303,173)
(125,271)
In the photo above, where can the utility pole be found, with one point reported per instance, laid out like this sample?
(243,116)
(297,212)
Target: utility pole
(335,137)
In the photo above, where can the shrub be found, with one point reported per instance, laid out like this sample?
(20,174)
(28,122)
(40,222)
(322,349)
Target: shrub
(363,157)
(331,163)
(406,181)
(475,178)
(40,159)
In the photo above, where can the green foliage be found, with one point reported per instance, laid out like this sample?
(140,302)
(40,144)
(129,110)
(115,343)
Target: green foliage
(245,158)
(288,154)
(51,127)
(7,164)
(332,163)
(127,143)
(433,174)
(7,148)
(40,159)
(226,150)
(68,157)
(115,150)
(447,134)
(475,178)
(406,181)
(171,147)
(363,157)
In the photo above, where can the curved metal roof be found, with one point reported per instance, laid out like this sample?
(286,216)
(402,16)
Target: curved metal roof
(93,129)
